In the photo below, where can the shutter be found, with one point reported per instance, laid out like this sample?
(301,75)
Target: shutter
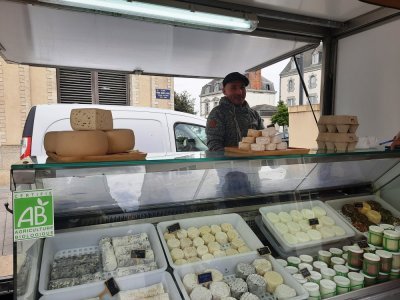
(75,86)
(113,88)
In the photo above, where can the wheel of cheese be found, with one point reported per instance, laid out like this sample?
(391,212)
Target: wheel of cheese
(231,251)
(215,229)
(216,275)
(273,280)
(243,249)
(190,281)
(327,221)
(193,232)
(200,292)
(237,243)
(304,225)
(204,230)
(180,261)
(201,250)
(219,253)
(281,228)
(302,237)
(91,119)
(208,238)
(173,243)
(307,213)
(176,254)
(293,227)
(213,246)
(314,235)
(226,227)
(190,252)
(221,238)
(168,236)
(81,143)
(207,256)
(198,241)
(273,217)
(296,215)
(339,231)
(284,217)
(120,140)
(262,266)
(181,233)
(220,290)
(232,234)
(290,238)
(50,141)
(185,242)
(193,259)
(327,232)
(319,211)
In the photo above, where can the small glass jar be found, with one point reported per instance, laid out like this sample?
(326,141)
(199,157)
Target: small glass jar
(292,270)
(318,265)
(368,280)
(394,274)
(324,256)
(327,288)
(282,262)
(382,277)
(336,252)
(371,264)
(300,279)
(308,259)
(375,235)
(351,269)
(345,256)
(328,273)
(293,261)
(315,277)
(312,289)
(342,284)
(396,260)
(337,261)
(386,260)
(391,239)
(341,270)
(355,257)
(356,280)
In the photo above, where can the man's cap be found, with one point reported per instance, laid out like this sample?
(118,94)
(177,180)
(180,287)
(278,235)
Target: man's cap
(235,76)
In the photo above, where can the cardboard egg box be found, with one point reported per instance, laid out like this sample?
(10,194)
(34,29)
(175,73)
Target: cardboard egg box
(337,141)
(340,124)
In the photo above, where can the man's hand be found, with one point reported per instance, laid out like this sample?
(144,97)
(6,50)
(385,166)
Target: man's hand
(396,142)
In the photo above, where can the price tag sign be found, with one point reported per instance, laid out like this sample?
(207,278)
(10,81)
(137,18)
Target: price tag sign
(138,254)
(363,244)
(264,250)
(174,227)
(33,214)
(358,205)
(305,272)
(313,221)
(112,286)
(204,277)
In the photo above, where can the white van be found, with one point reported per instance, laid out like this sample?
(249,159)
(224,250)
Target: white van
(156,130)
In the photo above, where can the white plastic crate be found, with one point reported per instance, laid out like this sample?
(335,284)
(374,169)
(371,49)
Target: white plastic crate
(144,280)
(227,267)
(287,207)
(86,241)
(337,205)
(237,222)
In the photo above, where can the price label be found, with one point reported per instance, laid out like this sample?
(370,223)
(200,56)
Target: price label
(112,286)
(264,250)
(174,227)
(313,221)
(138,254)
(305,272)
(363,244)
(358,205)
(204,277)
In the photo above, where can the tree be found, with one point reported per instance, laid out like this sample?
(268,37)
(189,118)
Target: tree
(281,117)
(184,102)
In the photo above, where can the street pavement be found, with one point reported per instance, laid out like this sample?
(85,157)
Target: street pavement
(6,238)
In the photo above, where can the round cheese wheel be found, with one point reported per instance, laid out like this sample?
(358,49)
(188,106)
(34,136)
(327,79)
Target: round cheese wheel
(273,217)
(232,234)
(180,262)
(120,140)
(204,230)
(327,232)
(304,225)
(81,143)
(190,252)
(208,238)
(173,243)
(339,231)
(213,246)
(284,217)
(215,229)
(220,290)
(327,221)
(168,236)
(201,250)
(243,249)
(281,228)
(216,275)
(226,227)
(290,238)
(207,256)
(219,253)
(221,238)
(296,215)
(231,251)
(319,211)
(50,141)
(198,241)
(193,259)
(237,243)
(190,281)
(181,233)
(293,227)
(262,266)
(273,280)
(302,237)
(307,213)
(193,232)
(185,242)
(176,254)
(200,292)
(314,234)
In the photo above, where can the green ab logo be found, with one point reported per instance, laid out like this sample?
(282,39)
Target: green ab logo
(34,215)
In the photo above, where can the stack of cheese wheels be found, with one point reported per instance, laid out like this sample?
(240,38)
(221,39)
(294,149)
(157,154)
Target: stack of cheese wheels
(262,140)
(92,135)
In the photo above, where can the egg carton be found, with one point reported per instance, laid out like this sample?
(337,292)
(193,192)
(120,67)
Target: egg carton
(337,141)
(341,124)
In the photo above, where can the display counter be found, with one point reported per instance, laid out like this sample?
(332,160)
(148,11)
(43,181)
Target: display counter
(155,225)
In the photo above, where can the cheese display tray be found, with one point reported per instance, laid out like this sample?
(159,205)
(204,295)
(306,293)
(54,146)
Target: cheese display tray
(237,222)
(86,242)
(235,151)
(337,205)
(227,267)
(287,207)
(144,280)
(132,155)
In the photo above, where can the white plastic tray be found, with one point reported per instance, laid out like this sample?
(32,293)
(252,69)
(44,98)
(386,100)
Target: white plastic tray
(227,267)
(287,207)
(338,203)
(33,253)
(237,222)
(146,279)
(86,242)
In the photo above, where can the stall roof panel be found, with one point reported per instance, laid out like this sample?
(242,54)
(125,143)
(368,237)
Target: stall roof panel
(40,35)
(336,10)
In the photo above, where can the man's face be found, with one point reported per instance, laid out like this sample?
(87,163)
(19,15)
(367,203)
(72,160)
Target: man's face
(235,92)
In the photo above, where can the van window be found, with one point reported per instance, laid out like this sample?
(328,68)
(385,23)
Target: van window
(190,137)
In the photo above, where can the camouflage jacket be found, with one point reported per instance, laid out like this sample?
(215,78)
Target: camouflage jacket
(227,124)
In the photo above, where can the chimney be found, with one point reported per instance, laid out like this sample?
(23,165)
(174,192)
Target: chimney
(255,80)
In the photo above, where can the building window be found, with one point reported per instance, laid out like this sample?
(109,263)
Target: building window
(291,85)
(206,108)
(92,87)
(266,113)
(315,58)
(313,82)
(268,87)
(313,99)
(216,101)
(291,101)
(216,88)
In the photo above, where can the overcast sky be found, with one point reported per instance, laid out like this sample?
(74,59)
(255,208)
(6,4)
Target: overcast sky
(193,85)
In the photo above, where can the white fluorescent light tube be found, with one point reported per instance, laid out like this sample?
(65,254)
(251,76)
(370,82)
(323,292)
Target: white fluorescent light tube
(163,13)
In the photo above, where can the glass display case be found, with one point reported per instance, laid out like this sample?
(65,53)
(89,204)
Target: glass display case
(98,206)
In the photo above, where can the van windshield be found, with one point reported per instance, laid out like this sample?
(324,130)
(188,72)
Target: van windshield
(190,137)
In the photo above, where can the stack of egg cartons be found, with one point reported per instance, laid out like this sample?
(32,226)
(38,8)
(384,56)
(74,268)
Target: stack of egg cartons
(337,133)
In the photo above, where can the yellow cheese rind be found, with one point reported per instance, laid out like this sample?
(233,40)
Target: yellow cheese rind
(91,119)
(120,140)
(50,141)
(81,143)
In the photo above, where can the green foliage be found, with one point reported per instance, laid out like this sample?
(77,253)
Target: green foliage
(184,102)
(281,117)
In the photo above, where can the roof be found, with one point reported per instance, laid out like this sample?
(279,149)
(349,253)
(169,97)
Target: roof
(264,107)
(307,62)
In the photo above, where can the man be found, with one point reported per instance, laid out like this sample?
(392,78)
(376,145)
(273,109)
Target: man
(229,121)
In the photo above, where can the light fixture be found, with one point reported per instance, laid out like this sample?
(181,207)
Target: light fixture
(171,12)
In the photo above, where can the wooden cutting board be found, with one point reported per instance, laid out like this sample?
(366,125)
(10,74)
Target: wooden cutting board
(132,155)
(235,151)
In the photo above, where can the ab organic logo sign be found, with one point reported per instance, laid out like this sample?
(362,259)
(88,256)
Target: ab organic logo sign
(33,214)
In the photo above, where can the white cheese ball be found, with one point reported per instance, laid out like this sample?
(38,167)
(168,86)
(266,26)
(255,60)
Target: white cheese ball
(204,230)
(219,290)
(221,237)
(215,229)
(307,213)
(236,243)
(201,250)
(190,282)
(168,236)
(319,211)
(173,243)
(216,274)
(193,232)
(314,235)
(304,225)
(290,238)
(186,242)
(281,228)
(226,227)
(232,234)
(302,237)
(327,232)
(213,246)
(200,293)
(284,217)
(208,238)
(181,233)
(198,241)
(190,252)
(272,217)
(293,227)
(176,254)
(296,215)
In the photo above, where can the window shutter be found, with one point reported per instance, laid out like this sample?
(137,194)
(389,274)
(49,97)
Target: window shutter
(75,86)
(112,88)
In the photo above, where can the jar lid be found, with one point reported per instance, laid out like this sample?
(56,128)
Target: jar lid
(293,260)
(387,226)
(352,268)
(300,278)
(311,286)
(306,258)
(324,253)
(319,264)
(341,280)
(371,256)
(367,276)
(392,233)
(355,249)
(328,271)
(345,248)
(315,275)
(376,229)
(355,276)
(305,265)
(384,254)
(395,271)
(341,268)
(327,284)
(345,256)
(337,260)
(384,274)
(292,270)
(335,251)
(281,261)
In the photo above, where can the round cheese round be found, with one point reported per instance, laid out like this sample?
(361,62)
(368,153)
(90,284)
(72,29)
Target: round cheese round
(198,241)
(339,231)
(273,279)
(208,238)
(236,243)
(221,237)
(120,140)
(176,254)
(290,238)
(193,232)
(200,293)
(327,221)
(307,213)
(231,251)
(243,249)
(293,227)
(226,227)
(181,233)
(50,141)
(204,230)
(281,228)
(180,261)
(296,215)
(186,242)
(302,237)
(190,282)
(219,253)
(213,246)
(81,143)
(201,250)
(319,211)
(168,236)
(262,266)
(284,217)
(190,252)
(232,234)
(314,234)
(207,256)
(219,290)
(216,275)
(215,229)
(273,217)
(173,243)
